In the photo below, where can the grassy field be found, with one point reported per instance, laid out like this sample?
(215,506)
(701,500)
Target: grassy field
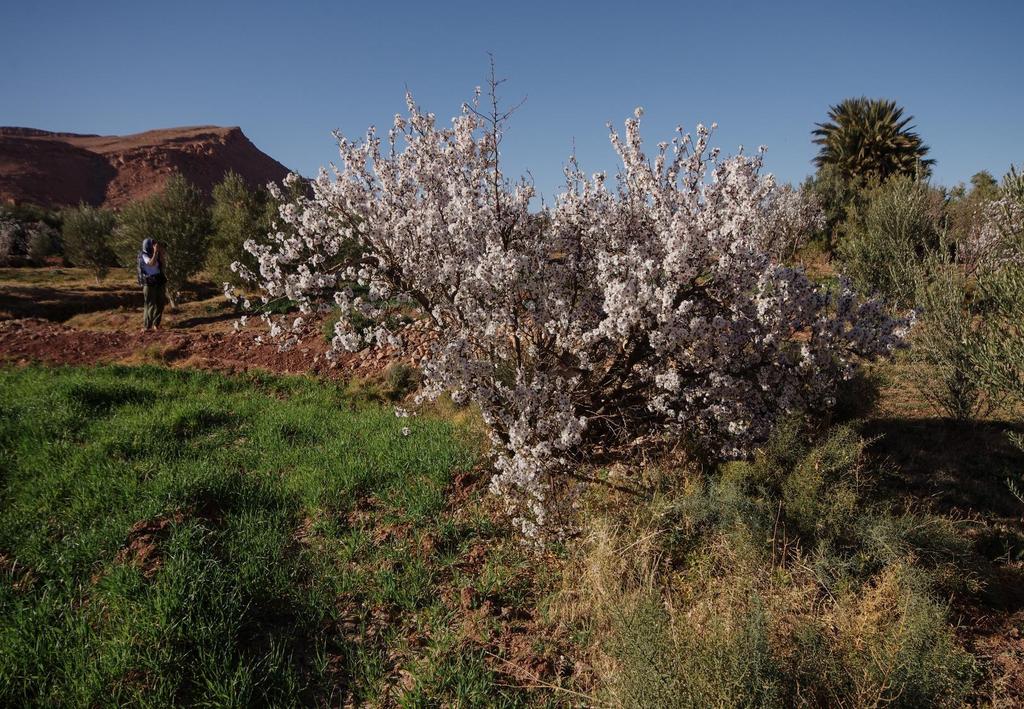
(181,537)
(178,536)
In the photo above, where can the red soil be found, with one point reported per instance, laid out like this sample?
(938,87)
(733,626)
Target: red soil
(34,340)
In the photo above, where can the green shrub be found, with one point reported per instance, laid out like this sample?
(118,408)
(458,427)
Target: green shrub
(773,582)
(887,643)
(88,232)
(1001,356)
(888,240)
(176,217)
(934,544)
(1013,185)
(238,214)
(810,491)
(947,340)
(819,495)
(897,246)
(726,660)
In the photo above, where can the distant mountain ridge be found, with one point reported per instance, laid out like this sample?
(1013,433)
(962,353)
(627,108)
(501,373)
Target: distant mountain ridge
(56,169)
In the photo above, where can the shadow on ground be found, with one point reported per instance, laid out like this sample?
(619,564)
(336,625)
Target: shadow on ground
(204,320)
(960,471)
(959,467)
(61,303)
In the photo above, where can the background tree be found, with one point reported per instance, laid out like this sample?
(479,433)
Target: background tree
(984,185)
(864,142)
(889,239)
(28,234)
(88,234)
(238,214)
(43,241)
(967,207)
(840,199)
(1001,281)
(867,138)
(10,237)
(177,217)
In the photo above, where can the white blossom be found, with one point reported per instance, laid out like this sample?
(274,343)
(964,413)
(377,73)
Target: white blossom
(994,235)
(658,308)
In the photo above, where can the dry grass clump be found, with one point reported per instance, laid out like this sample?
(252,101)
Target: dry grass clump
(662,639)
(889,643)
(769,583)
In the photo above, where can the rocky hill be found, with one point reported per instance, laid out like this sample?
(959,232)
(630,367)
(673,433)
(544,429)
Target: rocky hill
(54,169)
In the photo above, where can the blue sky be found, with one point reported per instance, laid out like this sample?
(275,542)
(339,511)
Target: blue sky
(290,73)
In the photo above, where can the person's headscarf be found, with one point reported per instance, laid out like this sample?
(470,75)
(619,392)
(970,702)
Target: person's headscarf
(147,247)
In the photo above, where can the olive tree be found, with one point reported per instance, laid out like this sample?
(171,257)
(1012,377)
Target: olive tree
(88,236)
(177,217)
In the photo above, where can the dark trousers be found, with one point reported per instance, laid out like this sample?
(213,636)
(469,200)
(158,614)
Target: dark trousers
(154,298)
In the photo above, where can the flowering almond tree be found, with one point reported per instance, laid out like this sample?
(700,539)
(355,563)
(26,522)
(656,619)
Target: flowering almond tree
(995,236)
(792,217)
(653,310)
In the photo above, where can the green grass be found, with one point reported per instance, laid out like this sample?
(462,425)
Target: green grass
(178,537)
(181,537)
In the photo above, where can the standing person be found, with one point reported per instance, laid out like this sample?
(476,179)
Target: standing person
(154,283)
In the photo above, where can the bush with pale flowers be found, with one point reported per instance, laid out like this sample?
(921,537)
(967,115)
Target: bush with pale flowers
(644,309)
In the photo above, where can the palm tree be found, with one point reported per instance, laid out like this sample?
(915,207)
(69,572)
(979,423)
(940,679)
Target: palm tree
(867,138)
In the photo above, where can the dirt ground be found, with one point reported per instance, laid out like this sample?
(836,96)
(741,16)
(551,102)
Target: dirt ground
(62,316)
